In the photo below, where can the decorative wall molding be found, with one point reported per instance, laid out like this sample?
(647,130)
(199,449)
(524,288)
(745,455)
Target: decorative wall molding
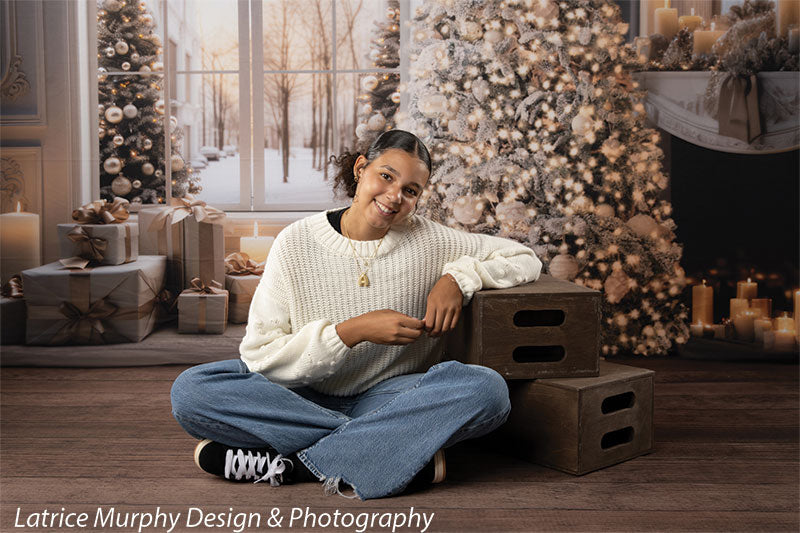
(22,90)
(21,179)
(675,103)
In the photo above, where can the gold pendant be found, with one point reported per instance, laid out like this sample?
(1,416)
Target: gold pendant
(363,281)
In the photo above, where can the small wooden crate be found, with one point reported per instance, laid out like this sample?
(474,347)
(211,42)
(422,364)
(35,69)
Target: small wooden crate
(582,424)
(545,329)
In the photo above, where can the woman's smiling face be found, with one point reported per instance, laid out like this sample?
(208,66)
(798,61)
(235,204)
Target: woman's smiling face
(388,188)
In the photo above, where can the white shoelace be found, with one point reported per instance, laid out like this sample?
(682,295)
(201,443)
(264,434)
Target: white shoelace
(251,466)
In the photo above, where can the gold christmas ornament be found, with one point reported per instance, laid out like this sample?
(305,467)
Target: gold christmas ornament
(136,184)
(148,169)
(144,68)
(121,185)
(395,97)
(121,47)
(112,165)
(564,266)
(109,51)
(160,107)
(376,122)
(114,114)
(126,65)
(368,83)
(176,163)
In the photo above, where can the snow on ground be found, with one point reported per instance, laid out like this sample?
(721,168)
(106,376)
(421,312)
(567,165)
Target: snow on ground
(220,181)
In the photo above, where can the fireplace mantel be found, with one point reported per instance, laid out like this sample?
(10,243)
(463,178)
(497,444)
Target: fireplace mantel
(675,104)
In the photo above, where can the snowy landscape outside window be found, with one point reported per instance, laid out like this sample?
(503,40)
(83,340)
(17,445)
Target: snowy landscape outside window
(261,94)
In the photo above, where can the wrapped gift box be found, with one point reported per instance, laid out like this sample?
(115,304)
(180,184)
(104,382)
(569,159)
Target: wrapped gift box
(194,249)
(121,242)
(96,305)
(241,290)
(202,312)
(12,320)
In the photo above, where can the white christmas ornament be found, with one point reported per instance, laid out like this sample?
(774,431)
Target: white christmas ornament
(147,144)
(642,225)
(144,68)
(114,115)
(480,89)
(173,124)
(176,163)
(136,184)
(147,19)
(433,105)
(395,97)
(159,173)
(121,185)
(493,36)
(368,83)
(112,165)
(126,65)
(374,54)
(118,140)
(159,107)
(471,31)
(582,124)
(102,132)
(468,210)
(134,57)
(109,52)
(376,122)
(605,210)
(616,286)
(100,108)
(148,169)
(564,266)
(112,5)
(121,47)
(361,131)
(158,65)
(130,111)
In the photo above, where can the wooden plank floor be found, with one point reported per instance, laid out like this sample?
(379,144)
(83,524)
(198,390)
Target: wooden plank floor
(726,459)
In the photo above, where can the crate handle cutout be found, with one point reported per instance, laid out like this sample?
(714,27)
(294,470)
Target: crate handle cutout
(538,354)
(617,437)
(618,402)
(546,317)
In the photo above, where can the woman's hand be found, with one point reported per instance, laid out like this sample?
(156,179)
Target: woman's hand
(444,306)
(384,326)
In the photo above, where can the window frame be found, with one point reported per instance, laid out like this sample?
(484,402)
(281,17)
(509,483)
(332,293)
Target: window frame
(251,72)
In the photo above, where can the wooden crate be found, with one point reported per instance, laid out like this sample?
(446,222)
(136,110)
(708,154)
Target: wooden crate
(578,425)
(545,329)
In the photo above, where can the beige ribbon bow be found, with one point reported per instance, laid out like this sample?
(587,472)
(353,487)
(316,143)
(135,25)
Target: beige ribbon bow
(738,108)
(240,264)
(214,287)
(91,248)
(184,207)
(13,287)
(102,212)
(80,325)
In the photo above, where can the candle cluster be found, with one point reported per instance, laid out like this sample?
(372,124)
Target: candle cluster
(750,319)
(668,24)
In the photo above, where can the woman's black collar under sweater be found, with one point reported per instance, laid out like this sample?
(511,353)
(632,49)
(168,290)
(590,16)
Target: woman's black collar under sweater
(335,218)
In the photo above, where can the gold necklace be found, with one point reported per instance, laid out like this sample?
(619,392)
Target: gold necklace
(363,280)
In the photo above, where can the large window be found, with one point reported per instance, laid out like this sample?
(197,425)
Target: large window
(265,91)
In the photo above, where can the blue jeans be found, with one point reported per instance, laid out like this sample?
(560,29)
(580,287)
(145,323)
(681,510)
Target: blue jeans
(375,441)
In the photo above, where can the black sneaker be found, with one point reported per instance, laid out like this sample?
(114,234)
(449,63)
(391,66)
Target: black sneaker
(244,464)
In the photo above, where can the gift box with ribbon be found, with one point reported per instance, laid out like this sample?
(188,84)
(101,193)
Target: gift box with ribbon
(99,236)
(95,305)
(242,275)
(12,312)
(191,234)
(203,308)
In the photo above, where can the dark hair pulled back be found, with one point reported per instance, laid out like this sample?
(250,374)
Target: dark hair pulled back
(345,180)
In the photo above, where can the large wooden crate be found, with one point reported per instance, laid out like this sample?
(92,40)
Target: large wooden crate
(578,425)
(545,329)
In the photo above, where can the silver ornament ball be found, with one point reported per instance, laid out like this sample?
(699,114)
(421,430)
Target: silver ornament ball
(121,47)
(176,163)
(130,111)
(126,65)
(147,143)
(134,57)
(136,184)
(160,107)
(148,169)
(159,173)
(110,52)
(118,140)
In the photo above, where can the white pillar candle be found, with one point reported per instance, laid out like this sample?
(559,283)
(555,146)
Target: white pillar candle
(20,246)
(257,248)
(692,22)
(787,12)
(738,305)
(743,324)
(783,322)
(704,39)
(784,340)
(747,289)
(666,21)
(702,304)
(760,325)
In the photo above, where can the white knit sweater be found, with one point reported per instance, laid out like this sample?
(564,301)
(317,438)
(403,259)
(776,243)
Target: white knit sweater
(310,284)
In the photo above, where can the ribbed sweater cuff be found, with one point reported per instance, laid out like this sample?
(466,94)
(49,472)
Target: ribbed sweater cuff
(463,284)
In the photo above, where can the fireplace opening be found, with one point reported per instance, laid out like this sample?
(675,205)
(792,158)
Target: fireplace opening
(738,216)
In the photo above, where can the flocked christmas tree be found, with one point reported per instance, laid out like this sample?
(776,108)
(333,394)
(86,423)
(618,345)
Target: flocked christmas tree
(132,109)
(538,134)
(380,97)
